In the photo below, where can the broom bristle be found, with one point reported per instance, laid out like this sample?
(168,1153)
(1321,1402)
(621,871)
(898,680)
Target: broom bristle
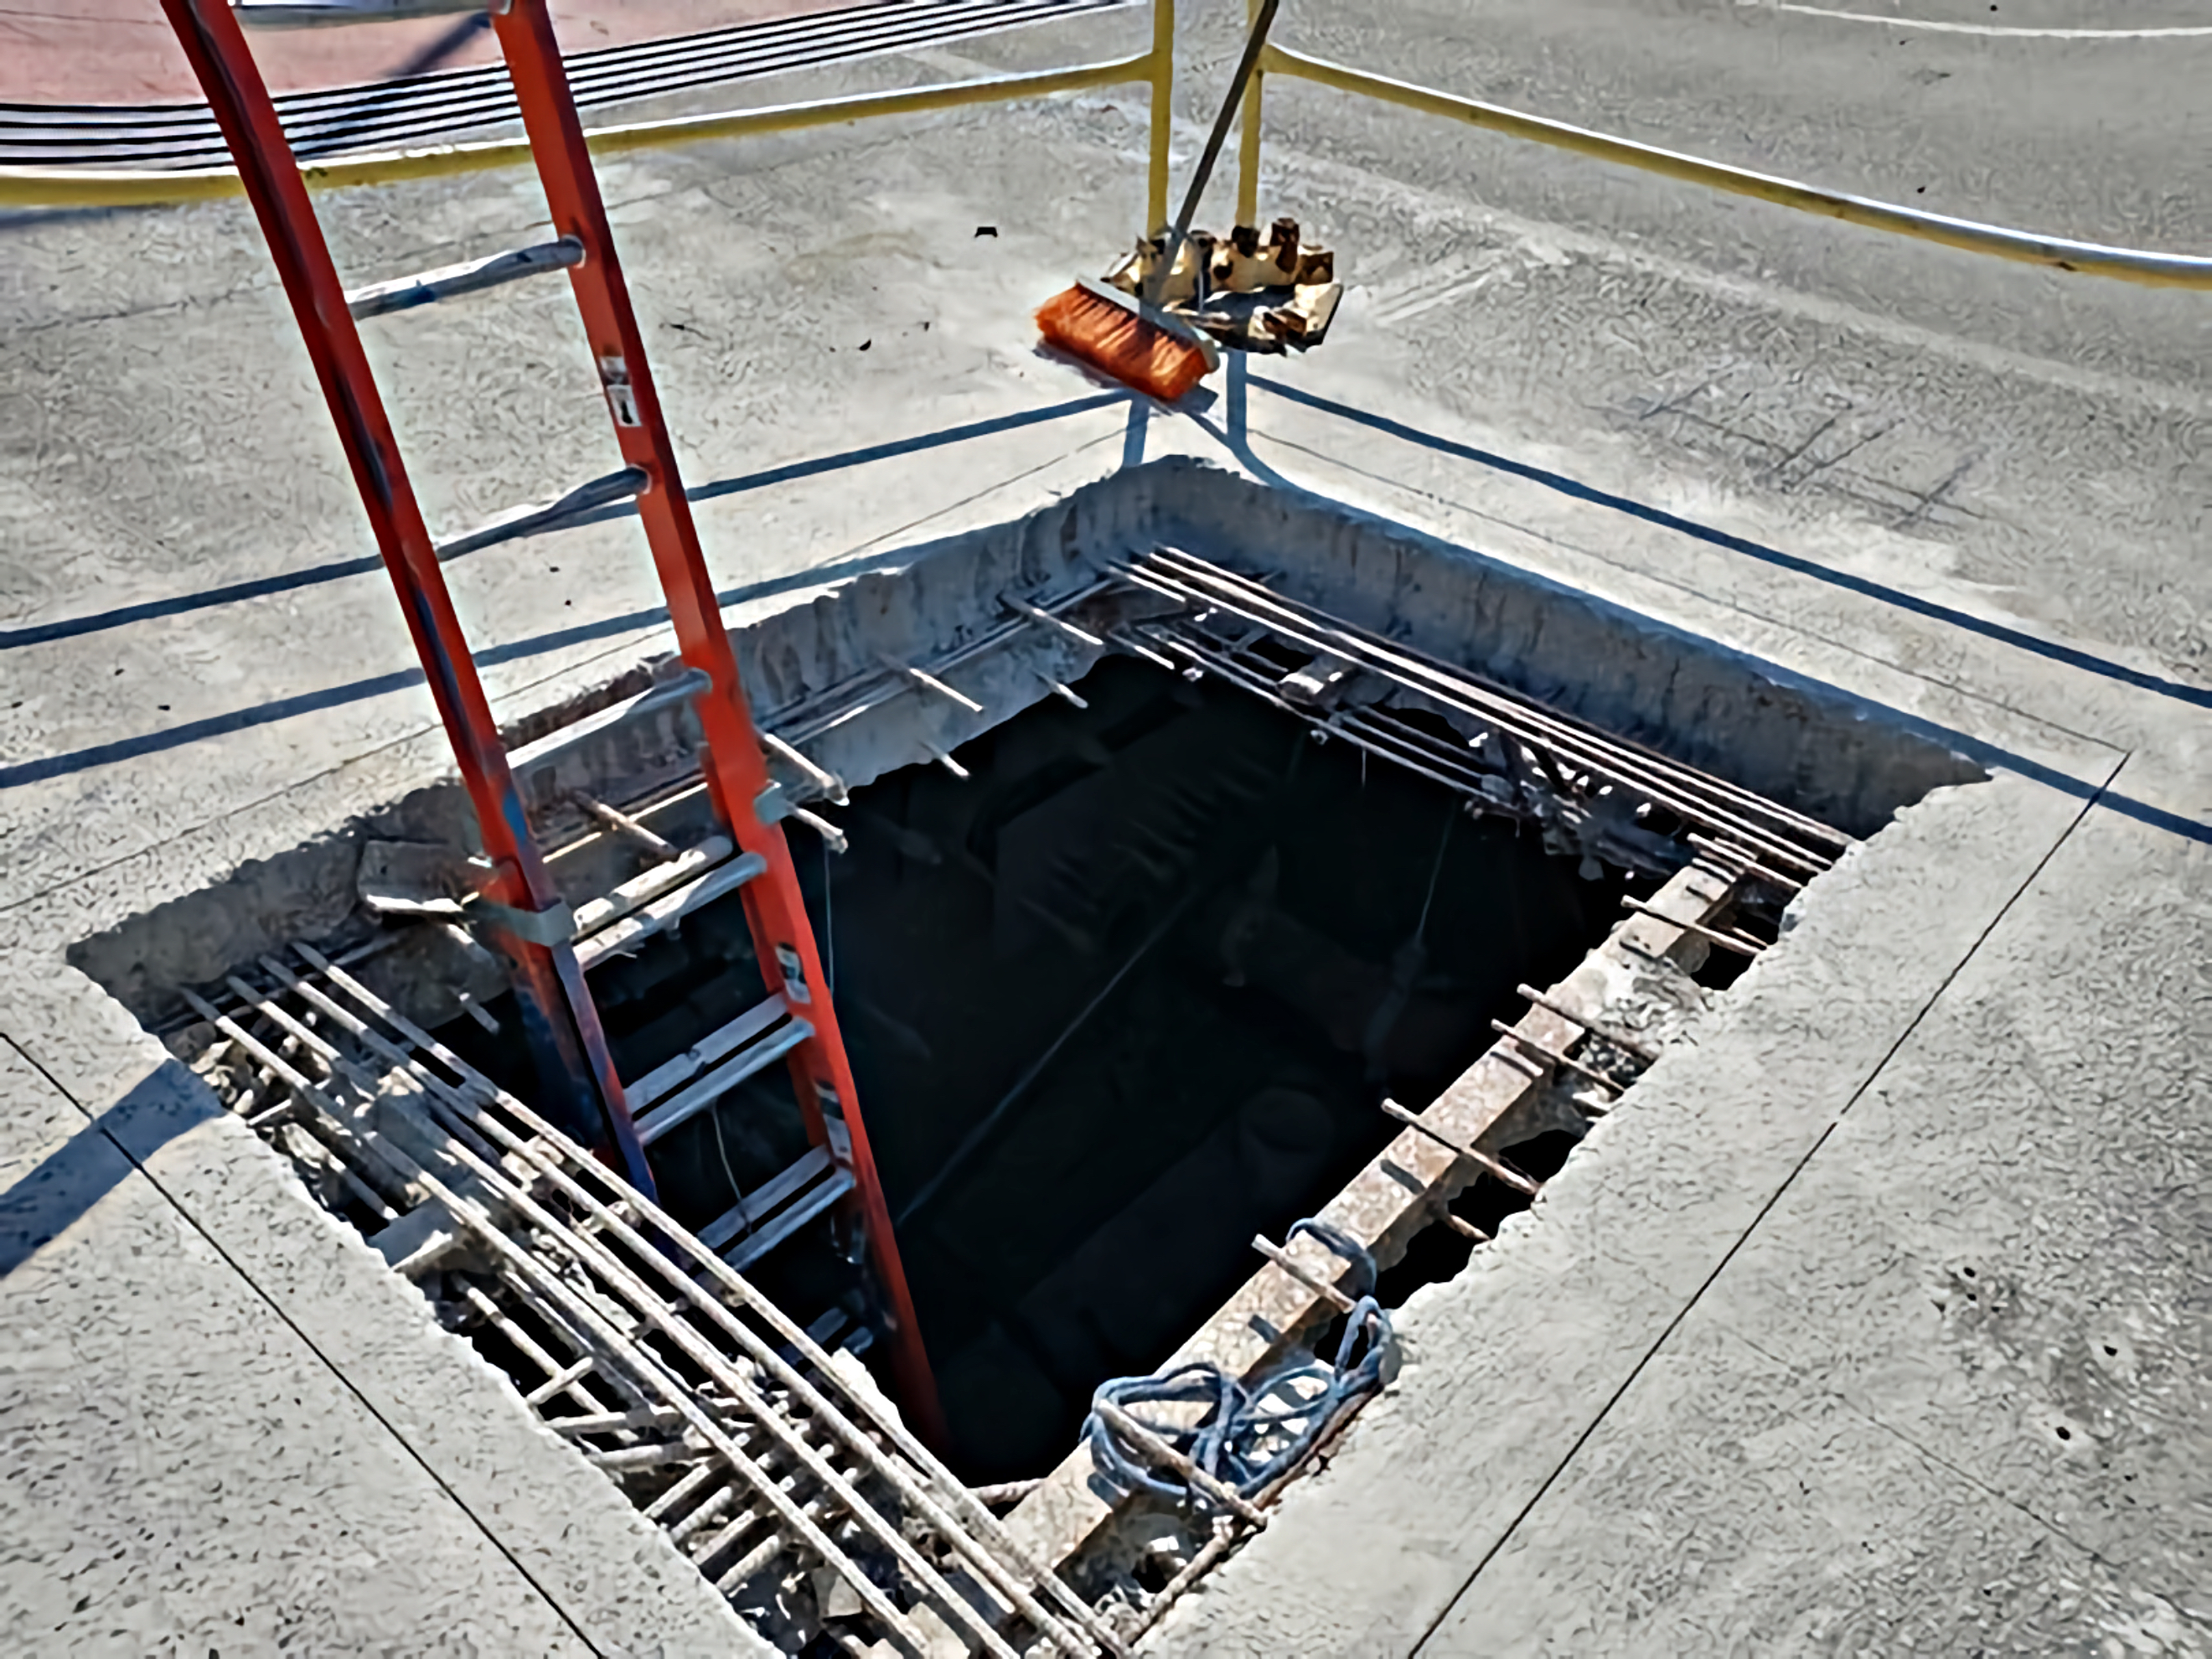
(1119,342)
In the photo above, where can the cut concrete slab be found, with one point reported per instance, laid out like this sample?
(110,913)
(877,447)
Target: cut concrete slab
(2012,1218)
(1987,1287)
(185,1471)
(1741,1509)
(223,1242)
(1512,1363)
(811,664)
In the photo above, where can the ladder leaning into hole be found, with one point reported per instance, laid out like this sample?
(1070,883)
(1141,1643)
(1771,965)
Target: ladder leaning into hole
(533,927)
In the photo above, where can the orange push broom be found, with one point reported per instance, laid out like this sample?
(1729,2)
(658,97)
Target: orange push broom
(1134,337)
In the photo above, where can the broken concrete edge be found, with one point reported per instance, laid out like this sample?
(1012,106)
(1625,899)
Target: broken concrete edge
(1402,1190)
(611,1575)
(1651,680)
(796,657)
(1801,741)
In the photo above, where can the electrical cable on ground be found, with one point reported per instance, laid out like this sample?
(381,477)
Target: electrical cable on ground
(1253,1436)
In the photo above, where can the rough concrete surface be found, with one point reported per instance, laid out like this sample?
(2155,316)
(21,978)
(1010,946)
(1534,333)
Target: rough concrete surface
(1986,1288)
(185,1473)
(814,671)
(271,1297)
(1724,1387)
(1512,1363)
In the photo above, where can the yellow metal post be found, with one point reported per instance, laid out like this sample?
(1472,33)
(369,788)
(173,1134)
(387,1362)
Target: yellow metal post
(1248,143)
(1161,61)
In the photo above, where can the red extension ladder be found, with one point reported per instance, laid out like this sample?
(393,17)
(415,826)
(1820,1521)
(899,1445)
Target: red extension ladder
(530,923)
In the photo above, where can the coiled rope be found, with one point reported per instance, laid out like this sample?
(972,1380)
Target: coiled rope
(1251,1437)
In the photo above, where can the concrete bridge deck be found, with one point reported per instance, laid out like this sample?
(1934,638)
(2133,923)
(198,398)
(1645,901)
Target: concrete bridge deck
(1879,1324)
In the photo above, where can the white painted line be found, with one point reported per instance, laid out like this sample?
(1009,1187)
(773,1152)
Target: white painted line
(2001,30)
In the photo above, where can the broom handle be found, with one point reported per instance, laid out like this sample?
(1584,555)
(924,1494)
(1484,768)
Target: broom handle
(1180,230)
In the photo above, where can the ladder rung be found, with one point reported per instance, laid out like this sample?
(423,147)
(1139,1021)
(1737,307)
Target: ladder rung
(663,879)
(472,276)
(756,1206)
(758,1244)
(676,688)
(321,13)
(687,1105)
(663,1078)
(622,486)
(633,930)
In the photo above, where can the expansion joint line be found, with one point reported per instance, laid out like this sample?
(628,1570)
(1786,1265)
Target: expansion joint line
(1773,1198)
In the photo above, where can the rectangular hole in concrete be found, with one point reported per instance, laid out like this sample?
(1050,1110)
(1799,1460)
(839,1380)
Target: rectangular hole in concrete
(1135,987)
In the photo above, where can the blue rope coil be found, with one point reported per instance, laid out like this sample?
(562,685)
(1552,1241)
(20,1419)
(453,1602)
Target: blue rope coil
(1249,1437)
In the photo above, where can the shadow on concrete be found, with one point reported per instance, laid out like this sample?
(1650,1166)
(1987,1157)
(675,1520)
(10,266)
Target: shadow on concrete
(1233,434)
(314,575)
(43,1205)
(308,703)
(1236,434)
(377,685)
(32,218)
(2071,656)
(434,55)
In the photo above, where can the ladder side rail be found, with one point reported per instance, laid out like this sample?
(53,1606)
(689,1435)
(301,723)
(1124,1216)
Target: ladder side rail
(557,1006)
(736,771)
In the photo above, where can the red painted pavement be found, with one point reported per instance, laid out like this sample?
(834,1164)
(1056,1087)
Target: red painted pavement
(121,51)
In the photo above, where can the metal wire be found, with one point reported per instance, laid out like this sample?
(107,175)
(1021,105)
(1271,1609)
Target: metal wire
(651,1307)
(1561,744)
(1249,1437)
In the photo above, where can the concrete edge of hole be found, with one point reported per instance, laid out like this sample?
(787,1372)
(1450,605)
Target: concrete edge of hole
(1807,743)
(587,1549)
(1800,741)
(1509,1363)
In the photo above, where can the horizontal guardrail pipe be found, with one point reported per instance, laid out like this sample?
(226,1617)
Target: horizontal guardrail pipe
(80,187)
(2126,264)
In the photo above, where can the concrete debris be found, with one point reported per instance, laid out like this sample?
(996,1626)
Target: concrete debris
(412,878)
(940,1640)
(833,1596)
(1654,1000)
(1249,294)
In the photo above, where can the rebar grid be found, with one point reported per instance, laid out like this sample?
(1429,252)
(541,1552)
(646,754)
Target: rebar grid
(723,1420)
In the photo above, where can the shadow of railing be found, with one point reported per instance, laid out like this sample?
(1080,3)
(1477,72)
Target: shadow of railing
(64,1186)
(2053,650)
(339,569)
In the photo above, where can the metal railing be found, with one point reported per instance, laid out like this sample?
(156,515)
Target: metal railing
(2090,259)
(50,187)
(1154,67)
